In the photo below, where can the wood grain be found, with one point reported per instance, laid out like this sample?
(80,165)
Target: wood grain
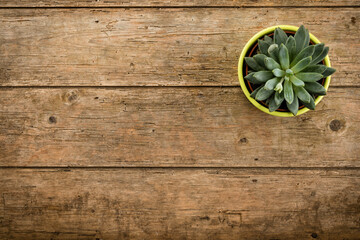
(179,204)
(172,127)
(177,3)
(152,47)
(92,148)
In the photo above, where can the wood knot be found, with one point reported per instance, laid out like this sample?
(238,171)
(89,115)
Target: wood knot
(314,235)
(243,140)
(71,97)
(52,119)
(353,20)
(335,125)
(132,68)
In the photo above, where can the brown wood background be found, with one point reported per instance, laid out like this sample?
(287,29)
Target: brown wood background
(125,120)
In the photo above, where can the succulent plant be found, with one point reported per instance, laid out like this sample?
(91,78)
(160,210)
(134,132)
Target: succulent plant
(286,68)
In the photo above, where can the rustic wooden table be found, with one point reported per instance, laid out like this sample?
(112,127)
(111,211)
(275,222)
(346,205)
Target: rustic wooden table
(125,120)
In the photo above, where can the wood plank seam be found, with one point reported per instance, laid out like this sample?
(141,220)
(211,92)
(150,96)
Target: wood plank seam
(145,87)
(181,167)
(175,7)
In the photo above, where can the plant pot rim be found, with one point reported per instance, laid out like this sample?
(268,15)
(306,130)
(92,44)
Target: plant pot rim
(242,81)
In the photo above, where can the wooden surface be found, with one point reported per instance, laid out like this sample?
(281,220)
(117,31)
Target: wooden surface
(179,3)
(152,47)
(125,120)
(179,204)
(172,127)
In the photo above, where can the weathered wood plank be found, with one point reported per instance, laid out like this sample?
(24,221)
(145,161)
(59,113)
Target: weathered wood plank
(173,47)
(179,204)
(176,3)
(172,127)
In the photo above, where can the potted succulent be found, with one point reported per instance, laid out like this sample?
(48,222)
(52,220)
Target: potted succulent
(284,70)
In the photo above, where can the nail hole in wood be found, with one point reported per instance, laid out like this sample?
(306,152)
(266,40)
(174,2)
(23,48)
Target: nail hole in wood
(243,140)
(52,119)
(314,235)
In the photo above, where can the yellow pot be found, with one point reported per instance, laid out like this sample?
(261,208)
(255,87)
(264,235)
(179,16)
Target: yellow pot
(250,43)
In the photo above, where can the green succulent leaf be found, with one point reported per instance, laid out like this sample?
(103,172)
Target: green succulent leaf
(291,47)
(263,94)
(279,87)
(315,87)
(294,106)
(263,47)
(251,62)
(321,56)
(273,106)
(289,72)
(250,77)
(253,94)
(309,77)
(311,104)
(284,57)
(279,98)
(263,76)
(278,72)
(273,51)
(318,50)
(328,71)
(306,52)
(260,59)
(302,64)
(268,39)
(302,94)
(315,68)
(301,38)
(270,84)
(280,36)
(288,92)
(307,38)
(297,82)
(271,64)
